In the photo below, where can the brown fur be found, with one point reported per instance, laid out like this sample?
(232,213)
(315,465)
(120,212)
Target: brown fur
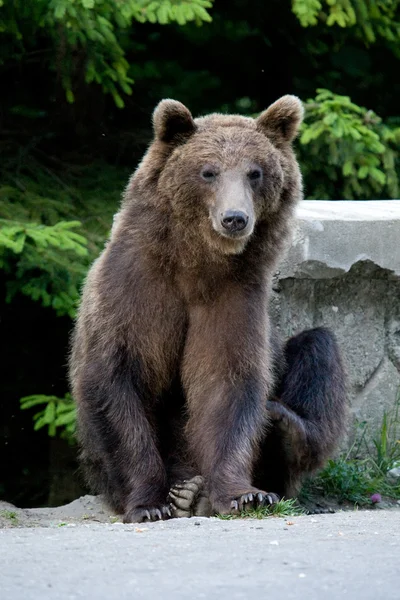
(171,360)
(307,415)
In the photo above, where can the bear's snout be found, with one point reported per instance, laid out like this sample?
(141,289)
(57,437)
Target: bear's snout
(234,220)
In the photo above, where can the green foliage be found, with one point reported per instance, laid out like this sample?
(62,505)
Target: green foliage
(39,256)
(42,256)
(351,479)
(345,144)
(58,414)
(166,11)
(307,11)
(346,480)
(387,444)
(371,18)
(88,36)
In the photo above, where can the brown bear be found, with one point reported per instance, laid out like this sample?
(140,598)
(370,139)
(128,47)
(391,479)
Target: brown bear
(173,357)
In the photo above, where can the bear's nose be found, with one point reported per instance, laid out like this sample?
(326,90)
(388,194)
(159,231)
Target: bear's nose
(234,220)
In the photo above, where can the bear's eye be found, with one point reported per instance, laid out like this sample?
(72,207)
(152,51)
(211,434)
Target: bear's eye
(254,174)
(208,174)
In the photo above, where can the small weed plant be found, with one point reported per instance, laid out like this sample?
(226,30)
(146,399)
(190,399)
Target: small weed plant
(10,515)
(361,481)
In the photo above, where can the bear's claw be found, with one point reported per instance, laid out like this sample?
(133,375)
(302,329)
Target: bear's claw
(142,514)
(253,500)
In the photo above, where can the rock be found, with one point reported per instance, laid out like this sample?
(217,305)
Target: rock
(394,475)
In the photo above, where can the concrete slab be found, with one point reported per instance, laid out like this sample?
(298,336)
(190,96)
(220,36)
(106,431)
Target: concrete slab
(331,237)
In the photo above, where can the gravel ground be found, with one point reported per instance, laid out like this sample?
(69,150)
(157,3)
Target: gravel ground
(75,552)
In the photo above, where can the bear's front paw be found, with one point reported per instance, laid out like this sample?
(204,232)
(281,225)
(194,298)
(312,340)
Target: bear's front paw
(248,500)
(141,514)
(253,499)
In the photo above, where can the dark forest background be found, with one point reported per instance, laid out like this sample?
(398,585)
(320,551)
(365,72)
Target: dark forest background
(79,81)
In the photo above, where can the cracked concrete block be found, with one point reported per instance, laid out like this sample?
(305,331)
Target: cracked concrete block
(296,307)
(351,307)
(393,326)
(377,397)
(343,271)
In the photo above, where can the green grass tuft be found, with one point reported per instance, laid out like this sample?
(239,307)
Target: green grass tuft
(283,508)
(352,479)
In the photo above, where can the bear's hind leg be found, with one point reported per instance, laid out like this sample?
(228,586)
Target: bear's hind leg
(308,419)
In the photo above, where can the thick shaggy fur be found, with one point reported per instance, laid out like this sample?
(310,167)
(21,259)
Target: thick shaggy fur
(171,359)
(307,419)
(307,414)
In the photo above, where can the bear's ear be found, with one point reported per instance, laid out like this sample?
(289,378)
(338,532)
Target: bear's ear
(172,122)
(281,121)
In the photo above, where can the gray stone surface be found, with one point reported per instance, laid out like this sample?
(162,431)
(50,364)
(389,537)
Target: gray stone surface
(345,555)
(394,474)
(333,236)
(343,271)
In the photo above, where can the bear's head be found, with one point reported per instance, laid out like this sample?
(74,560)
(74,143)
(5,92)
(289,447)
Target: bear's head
(224,174)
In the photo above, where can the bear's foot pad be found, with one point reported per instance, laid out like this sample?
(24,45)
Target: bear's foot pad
(189,499)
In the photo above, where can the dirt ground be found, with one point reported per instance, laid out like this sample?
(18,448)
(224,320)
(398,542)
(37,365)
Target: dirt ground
(90,509)
(87,509)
